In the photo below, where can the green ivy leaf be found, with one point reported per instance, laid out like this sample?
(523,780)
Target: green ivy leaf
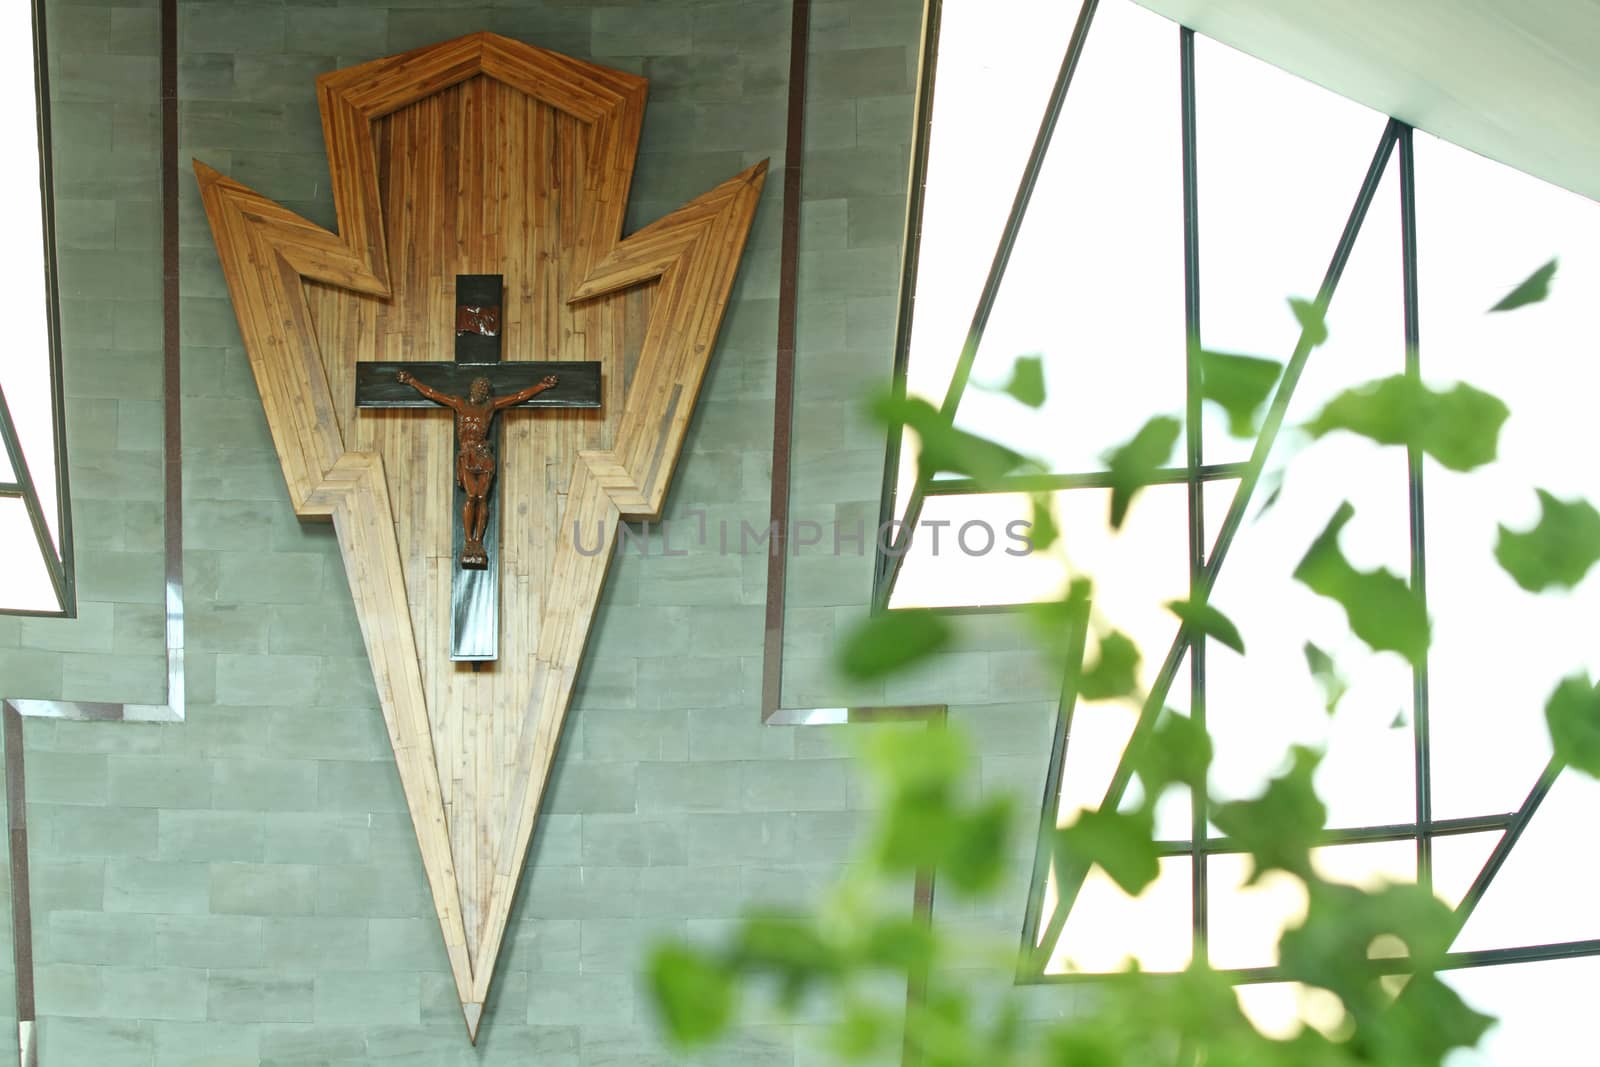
(790,947)
(1312,319)
(1176,752)
(1459,428)
(694,993)
(1534,288)
(1027,381)
(1133,464)
(1558,551)
(902,944)
(1044,532)
(1429,1021)
(1382,609)
(1322,668)
(1055,623)
(976,857)
(1573,714)
(1279,827)
(916,763)
(1239,385)
(861,1031)
(1203,618)
(891,641)
(1122,843)
(943,447)
(1115,673)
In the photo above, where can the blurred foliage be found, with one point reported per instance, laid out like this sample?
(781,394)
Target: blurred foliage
(1239,385)
(1459,428)
(1365,958)
(1532,289)
(1382,608)
(1133,465)
(1557,552)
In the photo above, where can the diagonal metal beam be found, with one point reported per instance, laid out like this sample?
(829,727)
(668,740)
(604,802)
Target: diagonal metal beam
(1271,425)
(30,502)
(1502,851)
(1034,954)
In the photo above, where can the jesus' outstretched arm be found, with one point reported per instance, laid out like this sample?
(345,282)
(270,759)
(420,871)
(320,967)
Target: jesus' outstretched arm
(549,381)
(405,378)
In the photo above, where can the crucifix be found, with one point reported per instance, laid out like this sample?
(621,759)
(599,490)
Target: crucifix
(476,387)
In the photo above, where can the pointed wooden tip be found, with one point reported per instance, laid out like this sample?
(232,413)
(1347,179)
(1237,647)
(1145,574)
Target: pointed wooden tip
(474,1015)
(205,174)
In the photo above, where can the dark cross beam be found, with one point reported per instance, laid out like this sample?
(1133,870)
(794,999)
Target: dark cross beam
(475,590)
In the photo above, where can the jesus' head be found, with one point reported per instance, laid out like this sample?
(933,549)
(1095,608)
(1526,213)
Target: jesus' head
(480,391)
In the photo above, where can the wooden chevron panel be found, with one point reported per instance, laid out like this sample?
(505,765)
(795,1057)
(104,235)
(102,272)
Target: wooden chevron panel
(478,155)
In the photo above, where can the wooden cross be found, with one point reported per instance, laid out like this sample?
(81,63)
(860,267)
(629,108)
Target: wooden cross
(477,386)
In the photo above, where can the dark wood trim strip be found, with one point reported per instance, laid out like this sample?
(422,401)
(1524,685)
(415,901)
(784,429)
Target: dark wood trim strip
(783,403)
(171,382)
(21,898)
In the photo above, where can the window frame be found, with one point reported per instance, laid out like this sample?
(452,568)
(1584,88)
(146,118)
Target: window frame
(59,564)
(1204,560)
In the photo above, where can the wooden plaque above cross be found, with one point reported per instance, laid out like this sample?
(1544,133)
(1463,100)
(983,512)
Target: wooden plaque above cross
(477,386)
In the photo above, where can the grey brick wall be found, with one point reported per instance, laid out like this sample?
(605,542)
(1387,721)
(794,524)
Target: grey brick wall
(245,888)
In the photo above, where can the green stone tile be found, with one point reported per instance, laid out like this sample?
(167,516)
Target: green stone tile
(102,1042)
(157,886)
(379,892)
(556,999)
(410,944)
(856,72)
(210,941)
(94,937)
(258,996)
(337,31)
(66,778)
(359,787)
(263,889)
(234,27)
(74,832)
(64,885)
(312,945)
(658,30)
(154,992)
(317,838)
(68,989)
(159,782)
(210,836)
(265,785)
(367,998)
(306,1044)
(207,1044)
(254,681)
(86,223)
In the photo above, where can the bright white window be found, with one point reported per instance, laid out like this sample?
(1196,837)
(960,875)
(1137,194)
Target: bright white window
(31,509)
(1095,283)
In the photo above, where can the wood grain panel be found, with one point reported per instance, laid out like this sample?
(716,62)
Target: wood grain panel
(479,155)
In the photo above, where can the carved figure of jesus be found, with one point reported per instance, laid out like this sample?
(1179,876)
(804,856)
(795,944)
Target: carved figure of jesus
(475,463)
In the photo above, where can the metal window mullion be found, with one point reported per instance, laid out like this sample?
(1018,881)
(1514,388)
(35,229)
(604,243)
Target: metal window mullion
(1421,735)
(1199,812)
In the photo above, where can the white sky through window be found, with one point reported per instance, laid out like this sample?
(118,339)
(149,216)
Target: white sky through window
(25,365)
(1095,287)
